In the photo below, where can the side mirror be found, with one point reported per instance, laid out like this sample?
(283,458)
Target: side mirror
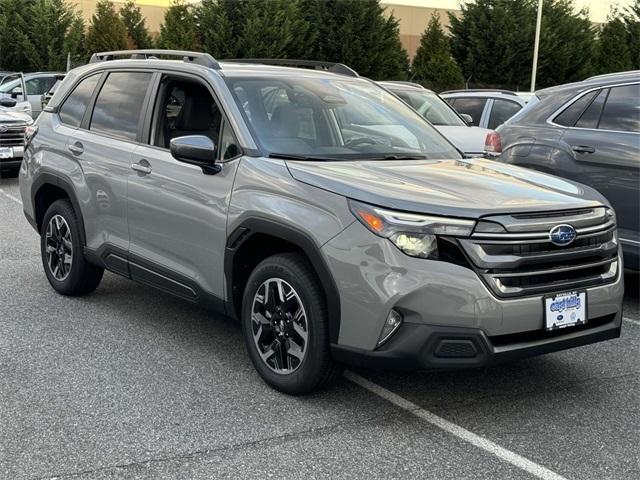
(196,150)
(16,92)
(467,118)
(7,102)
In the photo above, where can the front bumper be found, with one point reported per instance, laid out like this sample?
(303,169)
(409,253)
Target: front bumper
(417,347)
(446,308)
(13,162)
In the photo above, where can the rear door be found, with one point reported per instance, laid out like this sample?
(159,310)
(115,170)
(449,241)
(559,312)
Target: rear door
(605,142)
(103,146)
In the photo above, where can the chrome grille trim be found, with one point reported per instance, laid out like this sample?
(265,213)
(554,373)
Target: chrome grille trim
(13,136)
(521,261)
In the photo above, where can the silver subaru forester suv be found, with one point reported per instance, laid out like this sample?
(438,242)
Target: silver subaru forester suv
(336,223)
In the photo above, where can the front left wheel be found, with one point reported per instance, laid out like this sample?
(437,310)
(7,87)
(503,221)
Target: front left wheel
(61,248)
(285,325)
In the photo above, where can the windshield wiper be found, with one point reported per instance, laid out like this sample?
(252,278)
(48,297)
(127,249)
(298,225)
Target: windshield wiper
(291,156)
(401,157)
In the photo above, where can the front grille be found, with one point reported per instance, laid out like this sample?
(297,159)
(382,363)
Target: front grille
(522,260)
(13,137)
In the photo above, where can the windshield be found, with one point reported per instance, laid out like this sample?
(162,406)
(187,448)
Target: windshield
(431,107)
(9,82)
(334,119)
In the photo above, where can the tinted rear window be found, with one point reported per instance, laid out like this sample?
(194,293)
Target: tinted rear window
(75,105)
(120,103)
(572,113)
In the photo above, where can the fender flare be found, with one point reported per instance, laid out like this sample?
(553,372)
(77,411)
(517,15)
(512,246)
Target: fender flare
(47,178)
(255,225)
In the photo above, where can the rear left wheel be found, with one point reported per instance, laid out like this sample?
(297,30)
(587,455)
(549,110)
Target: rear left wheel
(63,260)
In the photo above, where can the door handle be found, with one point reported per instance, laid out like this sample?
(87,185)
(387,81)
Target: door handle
(583,149)
(141,168)
(76,148)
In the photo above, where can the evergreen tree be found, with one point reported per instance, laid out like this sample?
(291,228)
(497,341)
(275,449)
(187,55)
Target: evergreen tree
(106,30)
(358,34)
(631,18)
(493,42)
(38,34)
(433,64)
(74,42)
(255,28)
(137,33)
(614,54)
(178,30)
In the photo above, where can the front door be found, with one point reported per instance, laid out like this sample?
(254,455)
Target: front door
(177,213)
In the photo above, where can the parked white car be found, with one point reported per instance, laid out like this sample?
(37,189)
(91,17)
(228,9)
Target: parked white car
(12,129)
(34,84)
(20,100)
(469,139)
(487,108)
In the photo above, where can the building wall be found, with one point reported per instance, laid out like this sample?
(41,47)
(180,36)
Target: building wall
(413,22)
(152,10)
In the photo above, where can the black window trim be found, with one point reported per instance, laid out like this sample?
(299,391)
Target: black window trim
(567,104)
(150,110)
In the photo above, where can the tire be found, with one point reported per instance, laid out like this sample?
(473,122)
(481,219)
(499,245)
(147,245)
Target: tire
(316,369)
(74,278)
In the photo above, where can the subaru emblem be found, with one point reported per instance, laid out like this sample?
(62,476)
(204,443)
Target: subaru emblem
(562,235)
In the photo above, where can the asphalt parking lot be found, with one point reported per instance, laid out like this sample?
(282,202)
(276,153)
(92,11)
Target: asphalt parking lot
(131,383)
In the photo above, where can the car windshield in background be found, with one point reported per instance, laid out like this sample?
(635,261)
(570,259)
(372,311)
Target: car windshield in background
(334,119)
(431,107)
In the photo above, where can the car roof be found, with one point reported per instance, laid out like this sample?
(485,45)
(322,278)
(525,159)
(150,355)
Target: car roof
(505,94)
(405,86)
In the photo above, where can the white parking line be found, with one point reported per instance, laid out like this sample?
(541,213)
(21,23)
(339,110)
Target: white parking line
(507,455)
(635,322)
(10,197)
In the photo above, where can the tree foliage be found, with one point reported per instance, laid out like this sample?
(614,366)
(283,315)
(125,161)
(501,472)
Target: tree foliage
(38,34)
(493,42)
(613,53)
(253,28)
(433,64)
(631,18)
(179,29)
(137,33)
(106,30)
(359,34)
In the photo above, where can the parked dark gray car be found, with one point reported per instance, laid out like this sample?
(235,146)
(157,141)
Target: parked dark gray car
(588,132)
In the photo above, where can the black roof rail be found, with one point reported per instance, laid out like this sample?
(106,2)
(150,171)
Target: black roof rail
(333,67)
(192,57)
(481,90)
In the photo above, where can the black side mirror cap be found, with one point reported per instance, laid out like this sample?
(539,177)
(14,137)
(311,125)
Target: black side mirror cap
(196,150)
(7,102)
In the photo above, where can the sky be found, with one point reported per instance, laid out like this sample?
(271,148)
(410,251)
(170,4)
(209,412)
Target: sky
(598,9)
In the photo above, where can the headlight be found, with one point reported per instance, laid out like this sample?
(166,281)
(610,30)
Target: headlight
(414,234)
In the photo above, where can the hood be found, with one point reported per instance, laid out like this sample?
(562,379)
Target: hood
(467,139)
(12,116)
(468,188)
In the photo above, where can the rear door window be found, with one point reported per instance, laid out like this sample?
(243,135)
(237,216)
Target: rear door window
(591,116)
(120,104)
(501,111)
(75,105)
(622,109)
(471,106)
